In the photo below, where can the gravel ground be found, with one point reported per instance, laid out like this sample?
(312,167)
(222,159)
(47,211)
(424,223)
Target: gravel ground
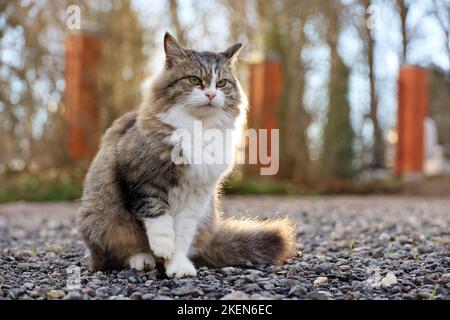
(349,248)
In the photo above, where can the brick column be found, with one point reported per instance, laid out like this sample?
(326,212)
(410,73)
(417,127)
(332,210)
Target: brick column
(83,56)
(265,89)
(413,100)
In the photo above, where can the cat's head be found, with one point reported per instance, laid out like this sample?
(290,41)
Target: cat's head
(202,84)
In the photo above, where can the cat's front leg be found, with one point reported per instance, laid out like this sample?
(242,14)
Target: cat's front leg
(186,222)
(158,224)
(161,235)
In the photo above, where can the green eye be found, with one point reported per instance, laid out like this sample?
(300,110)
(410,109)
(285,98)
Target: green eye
(195,81)
(222,83)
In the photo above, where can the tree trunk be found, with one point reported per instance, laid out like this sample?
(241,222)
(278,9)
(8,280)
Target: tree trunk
(337,153)
(378,141)
(403,11)
(378,152)
(293,120)
(173,8)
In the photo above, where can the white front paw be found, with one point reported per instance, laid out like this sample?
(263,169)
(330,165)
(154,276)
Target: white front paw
(179,267)
(161,236)
(162,247)
(142,261)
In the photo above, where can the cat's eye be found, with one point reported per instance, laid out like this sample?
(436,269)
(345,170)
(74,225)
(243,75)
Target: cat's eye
(222,83)
(195,80)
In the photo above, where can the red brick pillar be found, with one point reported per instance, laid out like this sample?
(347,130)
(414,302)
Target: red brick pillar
(265,89)
(413,98)
(83,56)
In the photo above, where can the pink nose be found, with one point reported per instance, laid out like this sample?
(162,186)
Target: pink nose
(210,95)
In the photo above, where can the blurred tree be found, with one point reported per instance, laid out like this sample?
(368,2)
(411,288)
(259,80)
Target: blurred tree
(175,21)
(280,35)
(32,35)
(367,35)
(285,38)
(31,66)
(238,10)
(337,152)
(123,60)
(248,22)
(440,83)
(403,7)
(441,10)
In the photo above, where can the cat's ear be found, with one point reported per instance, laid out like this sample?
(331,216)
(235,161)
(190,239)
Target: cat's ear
(232,53)
(173,50)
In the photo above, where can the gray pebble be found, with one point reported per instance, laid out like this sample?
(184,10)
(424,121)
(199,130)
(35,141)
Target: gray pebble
(297,290)
(73,296)
(136,296)
(188,291)
(396,238)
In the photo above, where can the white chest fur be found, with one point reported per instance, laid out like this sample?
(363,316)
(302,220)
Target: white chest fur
(199,179)
(207,147)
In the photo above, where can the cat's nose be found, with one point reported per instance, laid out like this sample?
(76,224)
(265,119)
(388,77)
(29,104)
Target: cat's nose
(210,94)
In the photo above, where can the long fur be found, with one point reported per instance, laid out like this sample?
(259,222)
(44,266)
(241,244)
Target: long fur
(235,242)
(133,189)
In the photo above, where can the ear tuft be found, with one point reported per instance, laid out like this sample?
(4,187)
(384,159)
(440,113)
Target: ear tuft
(173,50)
(232,53)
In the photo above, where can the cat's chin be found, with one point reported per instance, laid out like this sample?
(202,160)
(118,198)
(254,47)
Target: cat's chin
(205,111)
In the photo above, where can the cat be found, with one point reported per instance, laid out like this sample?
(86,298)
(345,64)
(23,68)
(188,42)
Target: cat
(139,206)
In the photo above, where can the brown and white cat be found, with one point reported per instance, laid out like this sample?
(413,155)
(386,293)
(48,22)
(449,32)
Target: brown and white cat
(138,204)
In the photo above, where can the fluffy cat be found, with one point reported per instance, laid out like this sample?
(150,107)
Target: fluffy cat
(139,205)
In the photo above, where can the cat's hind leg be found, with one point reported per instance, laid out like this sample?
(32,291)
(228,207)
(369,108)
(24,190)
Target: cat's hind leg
(116,240)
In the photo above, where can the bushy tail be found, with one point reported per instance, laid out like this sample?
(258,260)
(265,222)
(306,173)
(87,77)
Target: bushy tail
(235,242)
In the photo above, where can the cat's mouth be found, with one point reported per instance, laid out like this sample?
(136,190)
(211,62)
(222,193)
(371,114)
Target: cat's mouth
(206,110)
